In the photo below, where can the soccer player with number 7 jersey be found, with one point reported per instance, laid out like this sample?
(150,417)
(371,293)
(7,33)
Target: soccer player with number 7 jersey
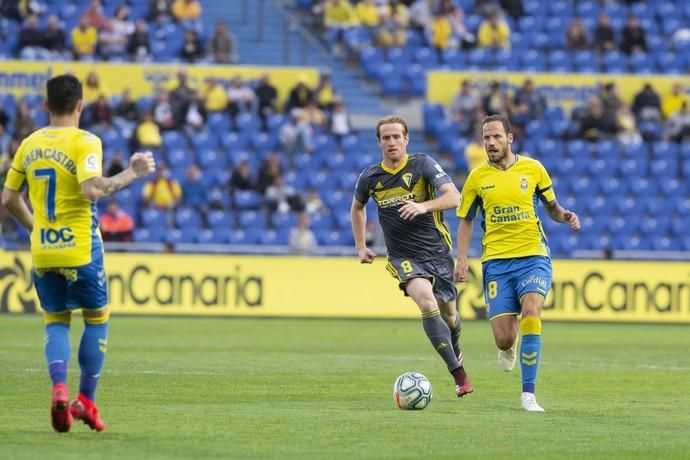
(61,165)
(516,266)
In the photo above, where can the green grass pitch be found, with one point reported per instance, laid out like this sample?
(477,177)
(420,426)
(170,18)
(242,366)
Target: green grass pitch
(288,388)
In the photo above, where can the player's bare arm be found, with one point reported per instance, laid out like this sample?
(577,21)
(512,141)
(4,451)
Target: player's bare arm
(14,202)
(358,217)
(464,237)
(140,165)
(561,215)
(449,198)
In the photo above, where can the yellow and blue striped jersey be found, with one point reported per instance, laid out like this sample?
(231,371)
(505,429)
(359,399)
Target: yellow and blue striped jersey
(508,201)
(54,162)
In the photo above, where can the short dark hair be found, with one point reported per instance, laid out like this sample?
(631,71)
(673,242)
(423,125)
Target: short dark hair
(503,119)
(390,119)
(63,91)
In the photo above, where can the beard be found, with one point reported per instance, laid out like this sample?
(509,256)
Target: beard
(497,157)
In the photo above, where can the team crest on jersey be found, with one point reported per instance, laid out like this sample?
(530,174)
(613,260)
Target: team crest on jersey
(407,178)
(523,184)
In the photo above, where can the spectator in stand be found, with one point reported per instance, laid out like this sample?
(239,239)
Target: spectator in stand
(338,17)
(627,127)
(462,37)
(610,99)
(672,103)
(163,113)
(54,37)
(241,99)
(138,46)
(180,97)
(596,123)
(186,10)
(31,39)
(441,32)
(95,16)
(267,99)
(116,164)
(269,170)
(116,224)
(340,125)
(677,127)
(530,101)
(215,97)
(313,116)
(422,16)
(162,191)
(368,15)
(222,45)
(604,35)
(576,37)
(84,40)
(313,203)
(93,89)
(300,95)
(196,115)
(475,154)
(295,136)
(493,33)
(283,198)
(392,30)
(115,35)
(160,10)
(647,105)
(513,8)
(242,178)
(192,49)
(23,123)
(147,134)
(4,118)
(324,93)
(465,104)
(100,113)
(496,101)
(302,240)
(194,191)
(126,109)
(633,37)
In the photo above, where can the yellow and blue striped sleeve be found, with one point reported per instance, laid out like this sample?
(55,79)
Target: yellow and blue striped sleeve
(545,189)
(89,155)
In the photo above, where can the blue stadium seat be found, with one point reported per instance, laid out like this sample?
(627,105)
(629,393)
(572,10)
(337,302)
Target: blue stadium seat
(252,220)
(432,115)
(248,123)
(242,237)
(204,140)
(664,168)
(211,236)
(371,59)
(338,199)
(664,149)
(634,150)
(320,221)
(186,217)
(453,58)
(275,237)
(426,57)
(673,187)
(181,235)
(153,217)
(390,80)
(146,235)
(642,63)
(212,160)
(221,220)
(247,199)
(578,149)
(633,167)
(334,238)
(283,220)
(415,76)
(218,122)
(533,60)
(607,149)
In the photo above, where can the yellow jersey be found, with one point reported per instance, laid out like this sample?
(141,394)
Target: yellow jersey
(54,162)
(508,201)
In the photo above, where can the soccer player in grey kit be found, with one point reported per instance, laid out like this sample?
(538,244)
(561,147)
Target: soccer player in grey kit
(418,243)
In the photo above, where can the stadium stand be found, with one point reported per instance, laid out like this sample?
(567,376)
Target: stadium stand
(617,163)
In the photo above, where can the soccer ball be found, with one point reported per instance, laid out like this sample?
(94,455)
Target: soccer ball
(412,391)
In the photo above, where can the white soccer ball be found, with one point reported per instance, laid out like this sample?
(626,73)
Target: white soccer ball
(412,391)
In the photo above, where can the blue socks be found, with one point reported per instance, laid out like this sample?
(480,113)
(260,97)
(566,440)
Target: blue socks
(530,351)
(57,351)
(92,351)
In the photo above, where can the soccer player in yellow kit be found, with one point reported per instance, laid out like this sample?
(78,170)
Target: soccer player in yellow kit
(516,265)
(61,165)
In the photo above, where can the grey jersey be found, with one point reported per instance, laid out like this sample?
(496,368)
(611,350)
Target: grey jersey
(423,238)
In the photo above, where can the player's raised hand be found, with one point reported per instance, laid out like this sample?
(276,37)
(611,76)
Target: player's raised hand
(461,269)
(142,163)
(366,256)
(410,209)
(572,219)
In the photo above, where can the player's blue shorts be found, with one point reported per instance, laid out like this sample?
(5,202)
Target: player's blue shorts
(506,281)
(74,287)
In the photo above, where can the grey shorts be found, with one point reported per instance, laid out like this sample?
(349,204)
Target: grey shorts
(439,271)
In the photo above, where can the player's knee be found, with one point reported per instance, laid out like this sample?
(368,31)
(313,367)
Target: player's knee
(99,316)
(504,342)
(62,317)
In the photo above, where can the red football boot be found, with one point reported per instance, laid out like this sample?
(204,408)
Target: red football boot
(463,384)
(60,415)
(86,410)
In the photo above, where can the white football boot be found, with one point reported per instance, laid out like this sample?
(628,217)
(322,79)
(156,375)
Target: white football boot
(529,402)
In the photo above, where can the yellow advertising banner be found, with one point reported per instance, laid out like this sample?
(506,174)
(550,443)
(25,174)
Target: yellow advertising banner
(340,287)
(142,79)
(565,90)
